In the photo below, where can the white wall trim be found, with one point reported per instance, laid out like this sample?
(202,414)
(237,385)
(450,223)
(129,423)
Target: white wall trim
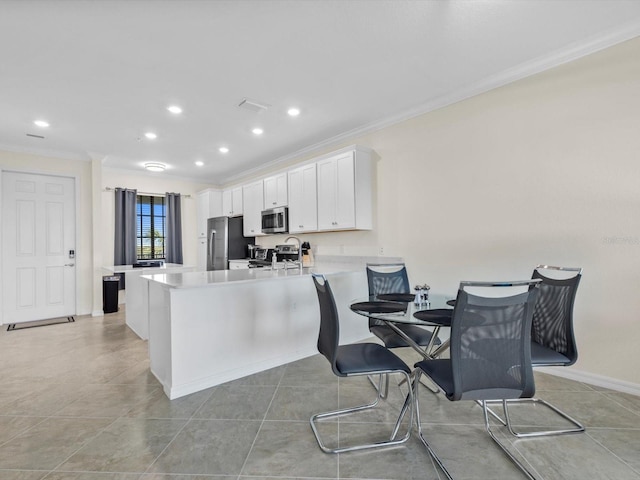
(593,379)
(45,152)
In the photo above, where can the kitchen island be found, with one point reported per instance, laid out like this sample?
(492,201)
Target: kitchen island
(207,328)
(136,292)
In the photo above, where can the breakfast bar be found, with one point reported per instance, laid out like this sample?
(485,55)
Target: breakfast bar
(207,328)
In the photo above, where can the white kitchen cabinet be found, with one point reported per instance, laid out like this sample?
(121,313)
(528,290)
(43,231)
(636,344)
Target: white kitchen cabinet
(345,191)
(303,201)
(232,202)
(208,205)
(253,204)
(238,264)
(201,252)
(275,191)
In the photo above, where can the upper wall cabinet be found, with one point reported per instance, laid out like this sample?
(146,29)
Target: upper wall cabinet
(208,204)
(253,204)
(275,191)
(345,191)
(232,202)
(303,202)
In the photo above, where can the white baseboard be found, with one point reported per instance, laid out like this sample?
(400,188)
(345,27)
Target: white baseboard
(593,379)
(196,385)
(97,313)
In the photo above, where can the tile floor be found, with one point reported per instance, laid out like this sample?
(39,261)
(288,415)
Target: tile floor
(77,402)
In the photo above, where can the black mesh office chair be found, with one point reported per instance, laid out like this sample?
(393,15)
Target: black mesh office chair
(490,353)
(390,278)
(552,339)
(353,360)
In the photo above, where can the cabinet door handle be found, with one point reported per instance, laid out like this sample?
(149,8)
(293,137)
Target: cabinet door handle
(300,226)
(274,203)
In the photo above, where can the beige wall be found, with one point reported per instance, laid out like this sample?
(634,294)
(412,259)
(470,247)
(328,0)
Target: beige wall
(545,170)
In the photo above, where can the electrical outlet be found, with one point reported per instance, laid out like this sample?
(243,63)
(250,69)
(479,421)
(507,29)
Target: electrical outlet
(381,251)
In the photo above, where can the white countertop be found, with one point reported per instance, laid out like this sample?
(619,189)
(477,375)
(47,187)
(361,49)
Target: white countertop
(225,277)
(129,268)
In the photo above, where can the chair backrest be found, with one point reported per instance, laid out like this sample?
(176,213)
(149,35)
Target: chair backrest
(329,334)
(387,278)
(552,325)
(491,342)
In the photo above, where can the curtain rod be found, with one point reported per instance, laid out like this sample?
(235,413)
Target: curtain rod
(111,189)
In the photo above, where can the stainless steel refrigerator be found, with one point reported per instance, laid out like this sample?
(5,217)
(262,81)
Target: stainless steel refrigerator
(225,242)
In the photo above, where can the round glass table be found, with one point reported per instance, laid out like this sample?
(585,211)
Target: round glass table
(393,309)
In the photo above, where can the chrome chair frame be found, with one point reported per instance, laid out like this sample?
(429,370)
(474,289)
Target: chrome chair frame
(486,412)
(407,405)
(577,426)
(483,403)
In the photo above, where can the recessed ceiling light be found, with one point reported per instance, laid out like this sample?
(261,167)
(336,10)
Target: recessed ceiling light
(41,123)
(223,150)
(155,166)
(293,111)
(199,163)
(151,135)
(174,109)
(257,131)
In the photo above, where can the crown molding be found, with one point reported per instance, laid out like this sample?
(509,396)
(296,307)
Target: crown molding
(559,57)
(60,155)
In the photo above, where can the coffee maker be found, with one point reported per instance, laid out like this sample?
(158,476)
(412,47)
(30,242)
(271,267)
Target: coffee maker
(252,251)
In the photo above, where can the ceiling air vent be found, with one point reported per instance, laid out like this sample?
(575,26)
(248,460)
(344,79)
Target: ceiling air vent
(253,105)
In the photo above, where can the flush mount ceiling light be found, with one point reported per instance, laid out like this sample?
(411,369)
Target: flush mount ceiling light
(257,131)
(155,166)
(176,110)
(41,123)
(223,150)
(199,163)
(293,111)
(151,135)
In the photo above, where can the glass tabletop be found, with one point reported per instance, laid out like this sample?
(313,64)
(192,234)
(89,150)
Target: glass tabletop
(400,308)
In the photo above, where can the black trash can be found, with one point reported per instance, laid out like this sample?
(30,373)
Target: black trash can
(110,285)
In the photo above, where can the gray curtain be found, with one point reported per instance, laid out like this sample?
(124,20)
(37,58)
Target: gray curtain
(173,245)
(125,228)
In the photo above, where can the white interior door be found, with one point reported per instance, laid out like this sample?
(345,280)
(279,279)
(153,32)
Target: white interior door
(38,238)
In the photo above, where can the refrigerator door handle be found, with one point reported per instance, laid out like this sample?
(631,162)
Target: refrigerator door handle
(212,235)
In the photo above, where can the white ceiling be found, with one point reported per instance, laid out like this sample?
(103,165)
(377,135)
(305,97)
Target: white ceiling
(102,72)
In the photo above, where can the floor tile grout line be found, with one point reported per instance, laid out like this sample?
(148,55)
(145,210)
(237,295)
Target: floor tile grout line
(613,454)
(43,419)
(273,396)
(187,422)
(512,441)
(614,400)
(86,442)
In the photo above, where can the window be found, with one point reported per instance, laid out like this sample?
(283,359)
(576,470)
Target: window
(150,227)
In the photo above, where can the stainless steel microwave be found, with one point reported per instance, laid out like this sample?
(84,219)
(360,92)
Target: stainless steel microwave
(275,220)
